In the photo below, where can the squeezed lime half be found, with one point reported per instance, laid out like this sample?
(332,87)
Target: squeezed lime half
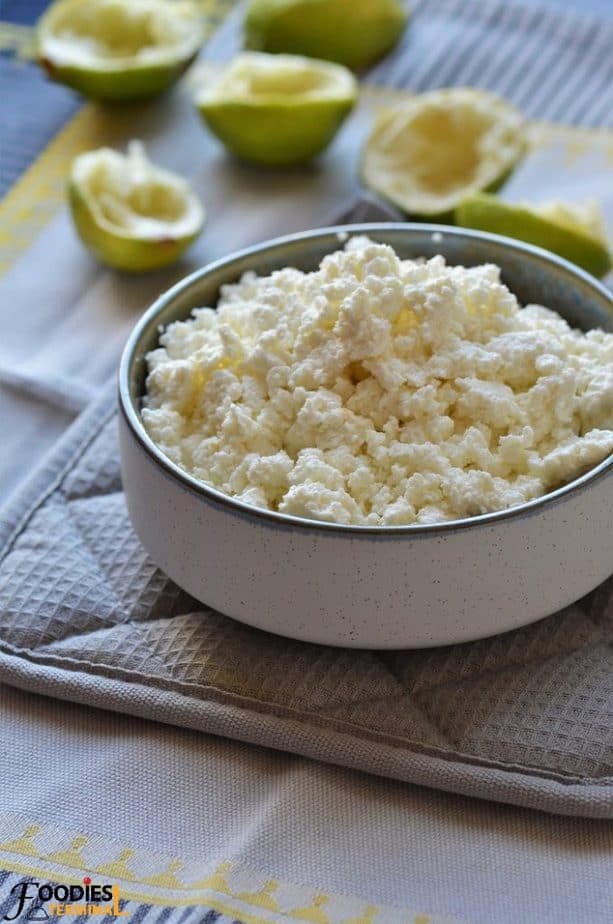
(428,153)
(132,215)
(276,110)
(116,50)
(355,33)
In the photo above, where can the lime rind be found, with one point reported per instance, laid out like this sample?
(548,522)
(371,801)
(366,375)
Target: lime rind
(580,244)
(355,33)
(140,83)
(133,215)
(119,50)
(277,110)
(585,216)
(427,153)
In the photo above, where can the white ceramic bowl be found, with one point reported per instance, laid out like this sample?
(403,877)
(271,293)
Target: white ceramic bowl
(385,587)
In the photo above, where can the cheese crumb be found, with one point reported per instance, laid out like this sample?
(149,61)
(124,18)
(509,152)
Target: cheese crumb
(380,391)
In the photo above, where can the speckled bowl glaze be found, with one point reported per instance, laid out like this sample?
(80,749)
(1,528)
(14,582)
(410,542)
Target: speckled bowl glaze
(386,587)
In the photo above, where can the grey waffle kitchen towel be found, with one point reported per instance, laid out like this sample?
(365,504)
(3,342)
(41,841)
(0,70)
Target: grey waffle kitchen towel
(524,718)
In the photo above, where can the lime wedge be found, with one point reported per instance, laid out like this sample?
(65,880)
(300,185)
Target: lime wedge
(573,232)
(355,33)
(116,50)
(277,109)
(429,152)
(132,215)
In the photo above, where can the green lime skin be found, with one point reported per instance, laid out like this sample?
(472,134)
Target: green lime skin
(488,213)
(449,216)
(120,251)
(299,132)
(355,33)
(133,84)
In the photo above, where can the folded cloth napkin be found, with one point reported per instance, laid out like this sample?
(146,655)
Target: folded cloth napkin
(524,718)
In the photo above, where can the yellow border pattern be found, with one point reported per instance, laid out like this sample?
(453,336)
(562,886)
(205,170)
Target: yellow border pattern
(51,853)
(40,192)
(17,39)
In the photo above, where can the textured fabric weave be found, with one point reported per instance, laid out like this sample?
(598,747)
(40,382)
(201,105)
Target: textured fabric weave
(526,717)
(32,112)
(554,65)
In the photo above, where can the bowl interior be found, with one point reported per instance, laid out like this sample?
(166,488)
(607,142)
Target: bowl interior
(533,275)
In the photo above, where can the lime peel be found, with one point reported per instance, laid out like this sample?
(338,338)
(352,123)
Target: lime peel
(575,232)
(115,50)
(276,109)
(355,33)
(428,152)
(585,217)
(133,215)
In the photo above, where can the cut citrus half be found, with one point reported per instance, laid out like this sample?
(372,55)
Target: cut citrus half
(429,152)
(115,50)
(355,33)
(277,109)
(575,232)
(132,215)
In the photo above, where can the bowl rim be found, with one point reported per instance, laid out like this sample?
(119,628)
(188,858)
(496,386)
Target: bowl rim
(189,482)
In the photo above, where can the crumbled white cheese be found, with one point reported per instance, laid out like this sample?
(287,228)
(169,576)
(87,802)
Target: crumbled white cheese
(380,391)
